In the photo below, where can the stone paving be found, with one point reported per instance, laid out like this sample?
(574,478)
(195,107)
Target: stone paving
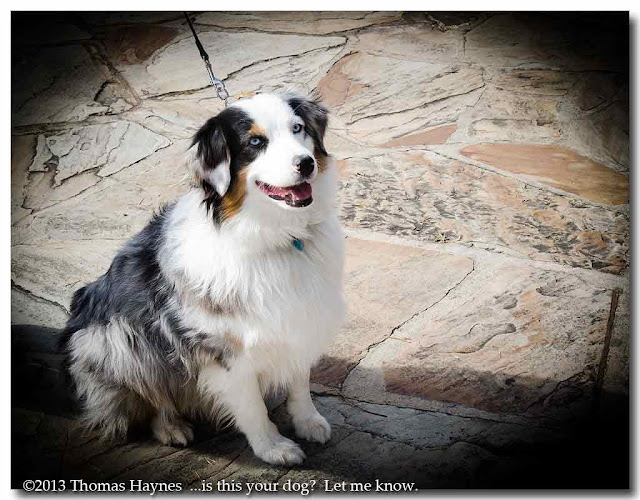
(484,170)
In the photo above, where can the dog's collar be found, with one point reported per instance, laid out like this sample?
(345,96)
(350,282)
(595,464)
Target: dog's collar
(298,244)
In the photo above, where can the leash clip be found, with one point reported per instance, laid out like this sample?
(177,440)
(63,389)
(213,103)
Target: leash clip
(216,83)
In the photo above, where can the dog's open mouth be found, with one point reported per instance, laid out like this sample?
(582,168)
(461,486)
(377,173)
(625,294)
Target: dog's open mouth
(294,196)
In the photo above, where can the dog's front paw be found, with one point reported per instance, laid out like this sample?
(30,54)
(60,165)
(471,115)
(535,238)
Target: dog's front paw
(313,428)
(171,432)
(279,450)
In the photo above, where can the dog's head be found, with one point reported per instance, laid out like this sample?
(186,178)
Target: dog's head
(264,154)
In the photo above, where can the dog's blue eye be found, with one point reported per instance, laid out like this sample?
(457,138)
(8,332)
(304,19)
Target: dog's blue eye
(255,141)
(297,128)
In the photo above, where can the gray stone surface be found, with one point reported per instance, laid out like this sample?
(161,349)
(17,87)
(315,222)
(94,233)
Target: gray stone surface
(501,340)
(432,197)
(484,188)
(177,67)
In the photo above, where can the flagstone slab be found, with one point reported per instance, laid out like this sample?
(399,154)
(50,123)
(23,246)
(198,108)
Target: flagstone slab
(510,338)
(501,104)
(429,197)
(62,165)
(300,73)
(558,167)
(432,429)
(437,135)
(177,67)
(108,148)
(114,208)
(385,285)
(506,130)
(412,43)
(365,100)
(43,192)
(538,82)
(60,84)
(311,23)
(55,271)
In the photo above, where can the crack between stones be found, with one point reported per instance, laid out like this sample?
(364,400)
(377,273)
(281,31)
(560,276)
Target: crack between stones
(451,71)
(547,395)
(292,56)
(535,423)
(477,26)
(424,105)
(114,148)
(96,171)
(236,71)
(38,297)
(393,330)
(430,125)
(346,32)
(469,440)
(98,53)
(36,212)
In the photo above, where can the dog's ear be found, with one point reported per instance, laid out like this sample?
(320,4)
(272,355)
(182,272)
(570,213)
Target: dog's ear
(212,159)
(315,117)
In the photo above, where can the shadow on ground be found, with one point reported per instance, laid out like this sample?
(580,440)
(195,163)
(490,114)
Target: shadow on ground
(370,442)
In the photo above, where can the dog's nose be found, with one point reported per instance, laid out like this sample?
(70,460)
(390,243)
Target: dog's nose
(304,164)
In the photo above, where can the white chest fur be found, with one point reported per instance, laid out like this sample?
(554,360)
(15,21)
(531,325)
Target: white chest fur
(282,303)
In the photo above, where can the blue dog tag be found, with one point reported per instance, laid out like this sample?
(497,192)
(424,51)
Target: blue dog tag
(299,244)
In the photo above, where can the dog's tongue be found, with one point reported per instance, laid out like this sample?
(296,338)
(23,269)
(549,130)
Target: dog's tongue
(295,196)
(293,193)
(300,191)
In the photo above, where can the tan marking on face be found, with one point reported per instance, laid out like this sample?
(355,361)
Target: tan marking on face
(257,130)
(233,199)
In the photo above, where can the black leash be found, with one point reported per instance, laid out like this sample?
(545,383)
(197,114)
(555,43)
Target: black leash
(221,90)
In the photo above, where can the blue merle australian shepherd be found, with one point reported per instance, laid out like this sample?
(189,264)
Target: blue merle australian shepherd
(229,292)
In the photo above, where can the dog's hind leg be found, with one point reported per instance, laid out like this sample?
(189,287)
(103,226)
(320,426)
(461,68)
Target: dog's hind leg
(111,409)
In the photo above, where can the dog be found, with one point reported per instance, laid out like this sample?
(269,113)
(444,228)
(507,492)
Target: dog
(230,292)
